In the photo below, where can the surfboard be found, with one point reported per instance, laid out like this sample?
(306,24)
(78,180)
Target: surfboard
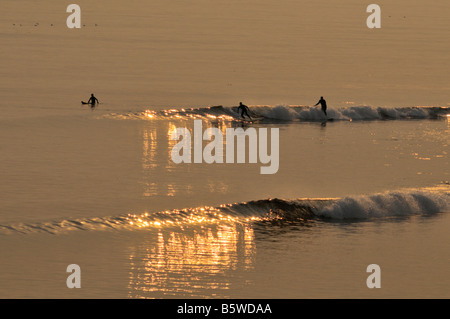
(256,119)
(254,116)
(247,120)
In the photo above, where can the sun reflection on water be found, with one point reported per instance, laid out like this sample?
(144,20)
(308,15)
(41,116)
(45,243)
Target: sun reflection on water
(197,262)
(160,175)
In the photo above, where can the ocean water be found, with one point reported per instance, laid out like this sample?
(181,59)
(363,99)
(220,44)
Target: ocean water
(97,187)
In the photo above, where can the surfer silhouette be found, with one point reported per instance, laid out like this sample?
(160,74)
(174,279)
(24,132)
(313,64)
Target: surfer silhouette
(244,109)
(323,103)
(92,100)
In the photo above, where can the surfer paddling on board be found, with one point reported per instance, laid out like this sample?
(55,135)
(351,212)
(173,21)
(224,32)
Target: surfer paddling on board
(92,100)
(323,103)
(244,109)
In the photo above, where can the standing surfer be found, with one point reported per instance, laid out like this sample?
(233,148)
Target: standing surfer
(244,109)
(323,103)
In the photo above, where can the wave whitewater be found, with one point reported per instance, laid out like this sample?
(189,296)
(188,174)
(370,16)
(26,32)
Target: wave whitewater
(279,113)
(364,207)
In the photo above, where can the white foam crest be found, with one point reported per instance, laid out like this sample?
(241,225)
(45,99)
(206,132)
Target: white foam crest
(404,113)
(400,203)
(354,113)
(359,113)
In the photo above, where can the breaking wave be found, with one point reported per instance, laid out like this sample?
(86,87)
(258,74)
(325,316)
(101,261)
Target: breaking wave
(364,207)
(279,113)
